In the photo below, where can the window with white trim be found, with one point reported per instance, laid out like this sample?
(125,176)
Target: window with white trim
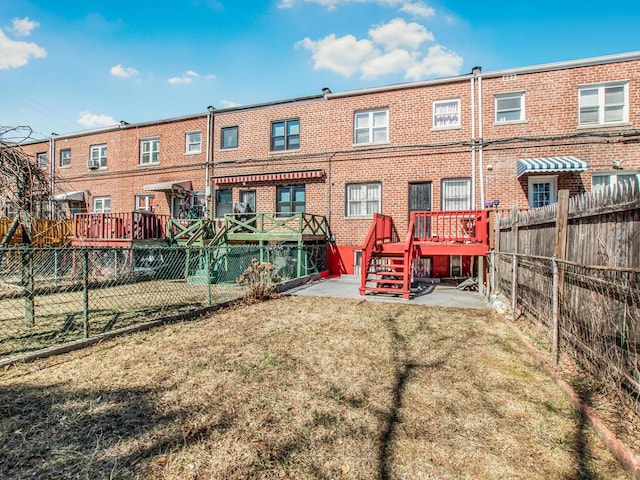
(456,194)
(149,151)
(446,114)
(601,104)
(102,205)
(42,160)
(371,127)
(543,190)
(601,180)
(509,107)
(363,199)
(65,157)
(98,156)
(193,142)
(144,202)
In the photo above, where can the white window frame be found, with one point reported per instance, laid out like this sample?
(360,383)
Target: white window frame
(65,158)
(371,128)
(540,179)
(507,96)
(445,200)
(601,106)
(144,202)
(147,158)
(613,177)
(192,147)
(361,190)
(42,160)
(98,154)
(446,113)
(101,204)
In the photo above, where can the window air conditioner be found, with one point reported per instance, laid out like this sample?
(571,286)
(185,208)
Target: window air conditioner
(93,164)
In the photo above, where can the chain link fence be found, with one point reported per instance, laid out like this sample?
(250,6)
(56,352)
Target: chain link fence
(53,296)
(591,313)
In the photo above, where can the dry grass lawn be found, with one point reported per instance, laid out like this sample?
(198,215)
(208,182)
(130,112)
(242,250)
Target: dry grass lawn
(299,388)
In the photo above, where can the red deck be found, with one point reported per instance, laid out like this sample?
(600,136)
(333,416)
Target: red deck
(387,260)
(118,229)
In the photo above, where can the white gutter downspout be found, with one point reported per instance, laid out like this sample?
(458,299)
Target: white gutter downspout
(473,143)
(481,142)
(207,173)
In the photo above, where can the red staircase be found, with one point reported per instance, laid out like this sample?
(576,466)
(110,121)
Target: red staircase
(387,263)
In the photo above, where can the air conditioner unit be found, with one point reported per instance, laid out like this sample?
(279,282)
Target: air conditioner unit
(93,164)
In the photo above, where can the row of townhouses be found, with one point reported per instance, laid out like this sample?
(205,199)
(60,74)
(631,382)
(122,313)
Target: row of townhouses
(510,138)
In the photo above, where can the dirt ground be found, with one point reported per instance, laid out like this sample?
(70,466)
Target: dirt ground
(299,388)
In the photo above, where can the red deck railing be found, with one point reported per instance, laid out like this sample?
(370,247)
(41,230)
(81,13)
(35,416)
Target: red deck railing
(120,226)
(450,226)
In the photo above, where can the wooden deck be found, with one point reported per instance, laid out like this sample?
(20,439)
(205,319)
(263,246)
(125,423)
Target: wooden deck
(44,232)
(118,229)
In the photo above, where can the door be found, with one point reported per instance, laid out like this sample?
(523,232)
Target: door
(420,201)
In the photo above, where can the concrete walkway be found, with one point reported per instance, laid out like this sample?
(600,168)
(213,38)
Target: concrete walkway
(437,295)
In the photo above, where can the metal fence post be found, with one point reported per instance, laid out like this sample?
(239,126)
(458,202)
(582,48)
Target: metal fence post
(28,285)
(555,333)
(207,259)
(85,292)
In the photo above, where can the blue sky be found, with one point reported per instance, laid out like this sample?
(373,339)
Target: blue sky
(68,66)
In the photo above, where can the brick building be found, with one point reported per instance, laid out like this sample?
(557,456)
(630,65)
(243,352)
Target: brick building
(516,136)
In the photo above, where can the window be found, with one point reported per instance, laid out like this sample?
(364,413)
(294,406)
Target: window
(224,202)
(455,265)
(249,197)
(193,142)
(144,202)
(456,194)
(604,179)
(98,156)
(363,199)
(509,107)
(285,135)
(102,205)
(229,137)
(290,199)
(42,160)
(542,190)
(371,127)
(446,114)
(65,157)
(604,103)
(149,151)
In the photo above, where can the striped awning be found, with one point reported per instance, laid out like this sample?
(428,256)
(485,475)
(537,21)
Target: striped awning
(550,164)
(270,177)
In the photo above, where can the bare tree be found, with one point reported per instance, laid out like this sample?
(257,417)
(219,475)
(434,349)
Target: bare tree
(24,185)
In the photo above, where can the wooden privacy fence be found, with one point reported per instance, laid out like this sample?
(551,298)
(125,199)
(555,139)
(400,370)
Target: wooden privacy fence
(574,268)
(44,232)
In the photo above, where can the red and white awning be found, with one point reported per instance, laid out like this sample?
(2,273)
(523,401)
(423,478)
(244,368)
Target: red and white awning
(270,177)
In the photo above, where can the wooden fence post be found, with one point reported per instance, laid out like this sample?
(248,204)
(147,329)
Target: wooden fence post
(558,268)
(496,249)
(514,262)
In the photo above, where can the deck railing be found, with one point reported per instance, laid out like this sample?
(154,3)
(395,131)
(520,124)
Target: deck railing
(44,232)
(297,223)
(450,226)
(120,226)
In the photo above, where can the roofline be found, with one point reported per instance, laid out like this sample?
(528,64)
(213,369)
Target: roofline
(269,104)
(583,62)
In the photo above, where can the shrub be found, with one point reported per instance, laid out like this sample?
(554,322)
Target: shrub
(260,279)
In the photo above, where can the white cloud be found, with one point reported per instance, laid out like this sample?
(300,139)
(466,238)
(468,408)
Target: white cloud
(185,79)
(418,9)
(22,27)
(88,119)
(439,62)
(398,33)
(229,104)
(342,55)
(211,77)
(123,72)
(395,61)
(14,54)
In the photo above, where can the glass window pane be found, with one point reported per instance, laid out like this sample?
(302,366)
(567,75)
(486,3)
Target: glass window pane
(509,116)
(509,103)
(614,114)
(362,120)
(614,95)
(293,127)
(589,97)
(278,143)
(379,119)
(284,195)
(600,180)
(589,115)
(379,135)
(293,142)
(298,195)
(362,136)
(278,130)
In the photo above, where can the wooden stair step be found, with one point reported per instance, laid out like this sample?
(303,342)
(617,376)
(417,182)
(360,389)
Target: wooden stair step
(397,291)
(386,274)
(389,281)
